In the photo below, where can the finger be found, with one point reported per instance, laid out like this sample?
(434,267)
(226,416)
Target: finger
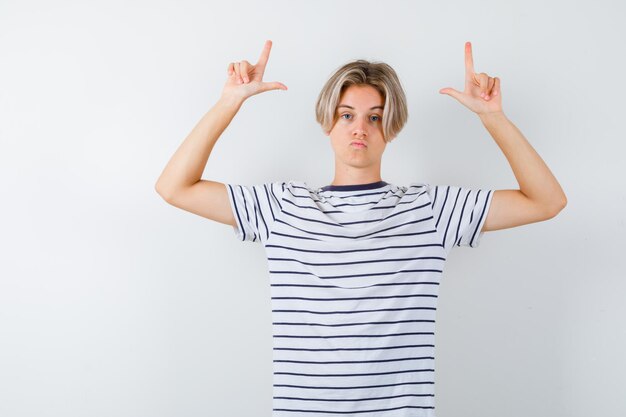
(469,60)
(245,69)
(489,92)
(237,73)
(483,82)
(451,92)
(265,54)
(231,70)
(273,86)
(496,87)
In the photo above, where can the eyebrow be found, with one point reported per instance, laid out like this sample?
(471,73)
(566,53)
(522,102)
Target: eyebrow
(350,107)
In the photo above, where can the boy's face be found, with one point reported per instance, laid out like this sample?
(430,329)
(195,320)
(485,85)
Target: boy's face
(362,122)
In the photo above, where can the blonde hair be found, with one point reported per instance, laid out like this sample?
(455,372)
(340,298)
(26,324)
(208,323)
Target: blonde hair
(361,72)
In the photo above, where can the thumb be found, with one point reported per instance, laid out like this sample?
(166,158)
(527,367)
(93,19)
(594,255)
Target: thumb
(451,92)
(273,86)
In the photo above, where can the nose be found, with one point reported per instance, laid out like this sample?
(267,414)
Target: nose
(359,130)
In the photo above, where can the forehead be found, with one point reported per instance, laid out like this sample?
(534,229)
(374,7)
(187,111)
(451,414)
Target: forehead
(362,97)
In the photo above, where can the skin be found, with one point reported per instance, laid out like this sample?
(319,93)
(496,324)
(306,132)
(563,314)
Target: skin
(356,165)
(246,80)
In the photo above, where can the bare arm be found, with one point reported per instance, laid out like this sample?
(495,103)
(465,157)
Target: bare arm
(540,196)
(180,183)
(185,168)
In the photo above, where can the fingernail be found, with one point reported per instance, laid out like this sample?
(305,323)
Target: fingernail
(482,94)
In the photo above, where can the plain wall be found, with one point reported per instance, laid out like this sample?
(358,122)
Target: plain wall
(114,303)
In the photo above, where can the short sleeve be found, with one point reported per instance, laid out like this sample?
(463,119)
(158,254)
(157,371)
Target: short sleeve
(255,208)
(459,214)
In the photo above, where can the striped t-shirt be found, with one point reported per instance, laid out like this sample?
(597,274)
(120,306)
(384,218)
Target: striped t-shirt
(354,273)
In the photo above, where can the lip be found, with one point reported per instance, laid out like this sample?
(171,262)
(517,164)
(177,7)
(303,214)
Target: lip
(358,144)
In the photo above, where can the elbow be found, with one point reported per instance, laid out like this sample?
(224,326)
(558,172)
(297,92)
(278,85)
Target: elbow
(562,203)
(556,208)
(157,188)
(163,193)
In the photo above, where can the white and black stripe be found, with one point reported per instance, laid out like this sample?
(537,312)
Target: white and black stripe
(354,274)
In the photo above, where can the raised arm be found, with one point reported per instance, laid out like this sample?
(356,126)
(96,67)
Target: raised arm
(540,196)
(180,183)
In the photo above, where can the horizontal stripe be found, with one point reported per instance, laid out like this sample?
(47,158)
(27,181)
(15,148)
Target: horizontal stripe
(352,387)
(348,412)
(356,399)
(353,311)
(346,375)
(351,324)
(355,262)
(373,361)
(354,298)
(355,348)
(350,335)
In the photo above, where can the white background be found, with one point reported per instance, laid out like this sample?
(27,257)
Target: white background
(114,303)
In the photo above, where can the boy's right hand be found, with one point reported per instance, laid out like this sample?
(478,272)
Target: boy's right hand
(246,80)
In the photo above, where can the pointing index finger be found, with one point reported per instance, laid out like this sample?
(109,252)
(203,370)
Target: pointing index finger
(265,54)
(469,61)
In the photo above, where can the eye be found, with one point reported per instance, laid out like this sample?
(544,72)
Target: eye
(375,117)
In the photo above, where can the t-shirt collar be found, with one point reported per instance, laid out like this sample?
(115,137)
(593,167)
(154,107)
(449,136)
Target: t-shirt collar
(354,187)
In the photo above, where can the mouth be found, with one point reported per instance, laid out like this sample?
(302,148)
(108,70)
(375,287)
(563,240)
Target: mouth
(358,144)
